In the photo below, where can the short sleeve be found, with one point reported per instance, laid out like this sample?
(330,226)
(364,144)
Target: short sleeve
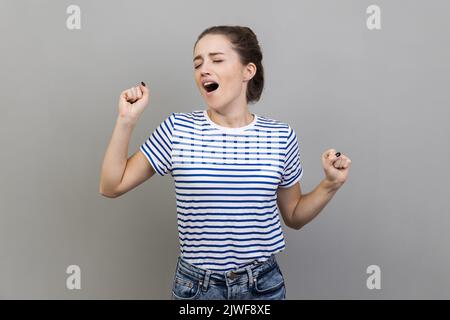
(293,170)
(158,146)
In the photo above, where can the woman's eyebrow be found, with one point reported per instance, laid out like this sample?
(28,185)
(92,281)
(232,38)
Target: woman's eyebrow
(210,54)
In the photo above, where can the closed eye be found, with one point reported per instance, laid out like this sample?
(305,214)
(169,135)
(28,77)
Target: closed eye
(213,61)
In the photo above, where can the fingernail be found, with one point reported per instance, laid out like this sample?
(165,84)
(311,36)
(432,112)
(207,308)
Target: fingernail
(338,154)
(142,82)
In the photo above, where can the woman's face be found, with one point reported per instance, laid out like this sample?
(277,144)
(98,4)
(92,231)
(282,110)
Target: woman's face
(216,61)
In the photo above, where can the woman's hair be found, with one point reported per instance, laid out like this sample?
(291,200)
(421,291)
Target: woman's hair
(245,43)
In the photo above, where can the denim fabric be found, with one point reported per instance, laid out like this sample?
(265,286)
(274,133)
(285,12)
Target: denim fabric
(254,281)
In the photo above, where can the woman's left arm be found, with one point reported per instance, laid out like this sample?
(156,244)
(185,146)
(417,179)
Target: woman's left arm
(308,206)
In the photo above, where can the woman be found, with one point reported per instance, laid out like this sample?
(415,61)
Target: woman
(235,172)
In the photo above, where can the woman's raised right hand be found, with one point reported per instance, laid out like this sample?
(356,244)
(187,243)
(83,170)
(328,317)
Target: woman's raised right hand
(132,103)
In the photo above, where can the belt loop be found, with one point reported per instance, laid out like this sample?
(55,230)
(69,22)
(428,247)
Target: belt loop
(206,279)
(250,276)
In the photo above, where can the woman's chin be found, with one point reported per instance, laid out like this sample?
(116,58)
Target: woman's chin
(215,105)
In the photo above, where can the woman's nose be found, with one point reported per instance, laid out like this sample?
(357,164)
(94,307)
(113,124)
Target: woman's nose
(204,68)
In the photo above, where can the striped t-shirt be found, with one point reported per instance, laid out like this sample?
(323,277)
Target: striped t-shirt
(226,181)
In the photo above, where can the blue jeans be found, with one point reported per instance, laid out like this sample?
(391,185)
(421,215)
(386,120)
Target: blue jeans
(254,281)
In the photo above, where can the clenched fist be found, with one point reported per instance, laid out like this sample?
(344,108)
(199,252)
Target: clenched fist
(132,102)
(335,166)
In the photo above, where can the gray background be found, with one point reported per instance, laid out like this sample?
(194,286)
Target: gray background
(380,97)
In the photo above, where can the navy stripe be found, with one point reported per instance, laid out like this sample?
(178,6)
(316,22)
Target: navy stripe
(226,195)
(226,201)
(226,232)
(257,226)
(222,207)
(232,245)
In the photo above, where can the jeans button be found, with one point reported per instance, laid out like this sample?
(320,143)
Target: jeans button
(232,275)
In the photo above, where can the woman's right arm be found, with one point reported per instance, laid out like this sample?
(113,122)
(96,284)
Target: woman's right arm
(119,174)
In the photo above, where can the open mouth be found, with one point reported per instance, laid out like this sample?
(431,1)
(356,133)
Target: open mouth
(210,86)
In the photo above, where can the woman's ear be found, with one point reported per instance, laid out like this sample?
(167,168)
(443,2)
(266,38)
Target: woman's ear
(250,71)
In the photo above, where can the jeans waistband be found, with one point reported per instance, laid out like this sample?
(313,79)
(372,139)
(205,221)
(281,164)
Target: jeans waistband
(245,273)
